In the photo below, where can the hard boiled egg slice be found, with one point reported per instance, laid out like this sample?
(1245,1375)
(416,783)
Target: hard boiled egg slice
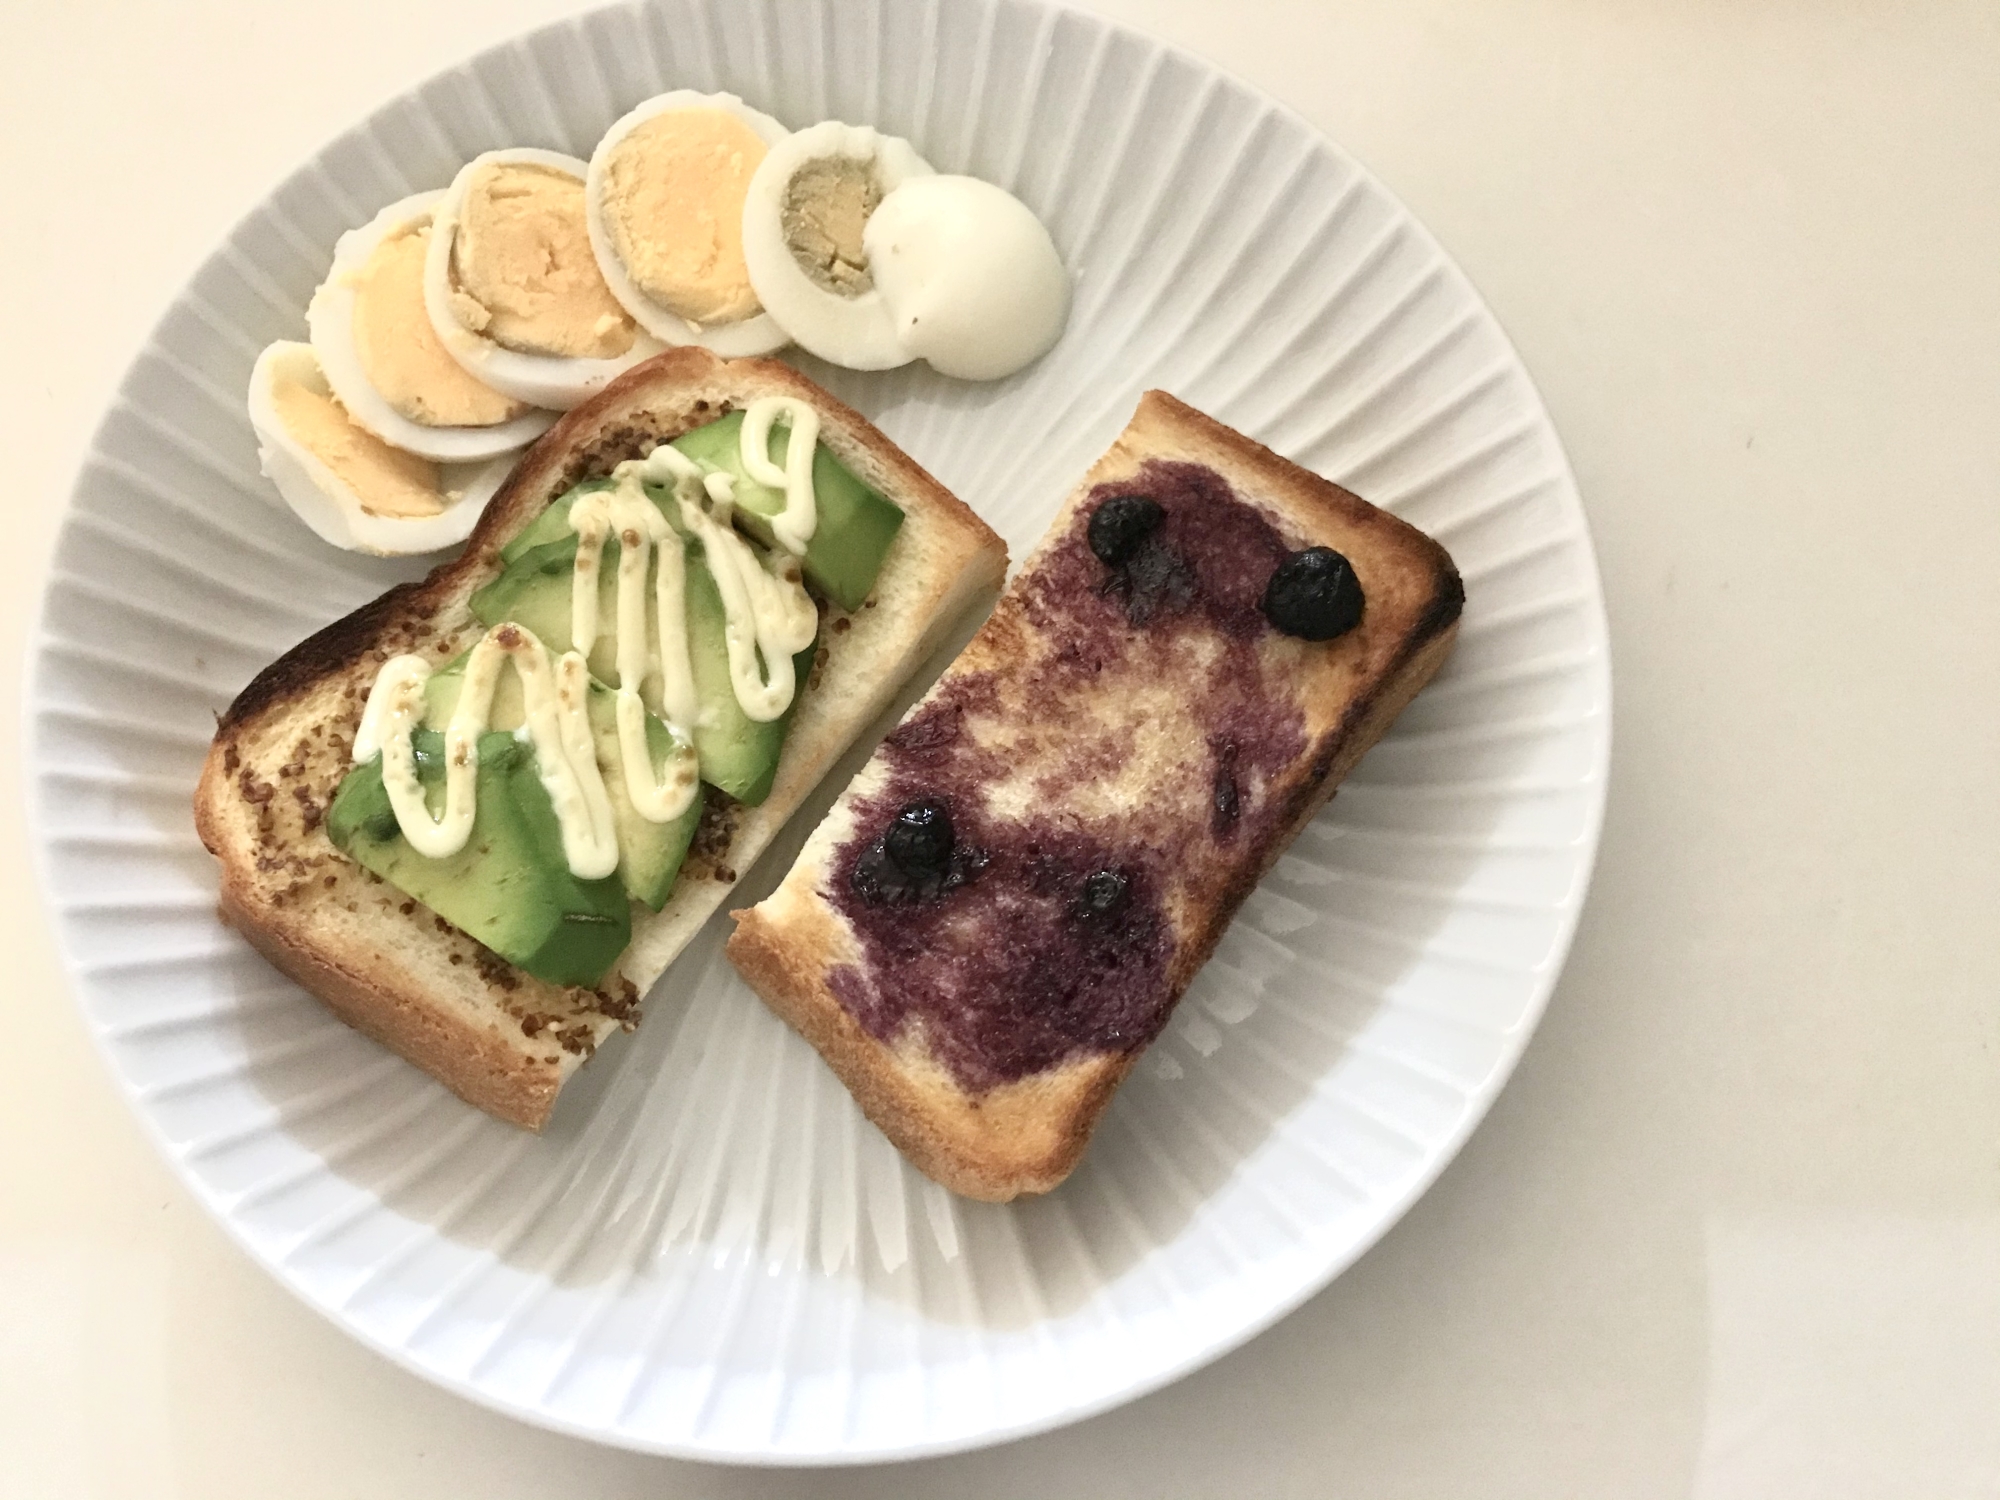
(803,224)
(969,275)
(513,289)
(383,359)
(665,204)
(347,484)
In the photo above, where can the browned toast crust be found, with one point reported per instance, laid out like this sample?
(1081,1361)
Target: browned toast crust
(495,1036)
(994,1138)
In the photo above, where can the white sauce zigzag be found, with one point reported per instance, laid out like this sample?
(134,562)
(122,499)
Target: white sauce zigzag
(768,619)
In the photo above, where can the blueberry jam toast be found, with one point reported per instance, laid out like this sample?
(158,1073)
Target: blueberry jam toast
(1001,911)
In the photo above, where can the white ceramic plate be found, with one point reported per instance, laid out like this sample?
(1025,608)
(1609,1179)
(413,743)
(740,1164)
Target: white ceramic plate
(710,1253)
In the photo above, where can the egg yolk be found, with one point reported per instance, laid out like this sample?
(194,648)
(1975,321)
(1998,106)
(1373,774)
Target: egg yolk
(827,205)
(387,481)
(399,350)
(673,209)
(525,275)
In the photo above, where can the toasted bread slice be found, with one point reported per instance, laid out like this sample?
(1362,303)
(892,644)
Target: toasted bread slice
(496,1036)
(1122,753)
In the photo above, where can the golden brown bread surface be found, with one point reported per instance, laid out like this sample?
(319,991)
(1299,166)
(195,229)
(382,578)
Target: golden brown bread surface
(1153,729)
(494,1035)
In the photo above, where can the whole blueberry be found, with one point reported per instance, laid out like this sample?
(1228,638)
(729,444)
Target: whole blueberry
(1102,893)
(1120,524)
(919,840)
(1314,595)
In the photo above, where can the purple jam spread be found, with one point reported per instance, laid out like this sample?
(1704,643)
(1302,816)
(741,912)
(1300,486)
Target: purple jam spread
(1013,970)
(1046,936)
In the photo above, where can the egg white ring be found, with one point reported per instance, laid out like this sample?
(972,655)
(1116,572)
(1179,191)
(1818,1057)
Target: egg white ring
(539,379)
(330,323)
(758,334)
(857,332)
(321,499)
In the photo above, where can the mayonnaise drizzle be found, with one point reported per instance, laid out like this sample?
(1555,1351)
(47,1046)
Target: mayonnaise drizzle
(643,533)
(795,524)
(768,619)
(558,728)
(767,615)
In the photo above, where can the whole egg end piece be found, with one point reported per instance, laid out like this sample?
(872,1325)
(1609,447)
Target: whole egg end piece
(969,274)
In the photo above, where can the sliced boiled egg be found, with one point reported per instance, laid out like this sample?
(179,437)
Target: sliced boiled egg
(664,200)
(803,240)
(969,275)
(383,359)
(349,486)
(513,289)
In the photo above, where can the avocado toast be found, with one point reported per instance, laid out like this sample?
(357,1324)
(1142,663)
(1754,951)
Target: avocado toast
(499,964)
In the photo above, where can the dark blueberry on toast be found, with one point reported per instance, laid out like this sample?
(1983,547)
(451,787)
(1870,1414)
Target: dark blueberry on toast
(1103,893)
(1314,595)
(918,858)
(919,841)
(1120,525)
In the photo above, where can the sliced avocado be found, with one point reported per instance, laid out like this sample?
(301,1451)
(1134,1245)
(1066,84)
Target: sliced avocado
(552,525)
(649,853)
(738,755)
(547,551)
(510,886)
(856,524)
(507,714)
(535,592)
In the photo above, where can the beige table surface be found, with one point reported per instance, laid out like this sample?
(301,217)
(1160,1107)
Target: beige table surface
(1734,1228)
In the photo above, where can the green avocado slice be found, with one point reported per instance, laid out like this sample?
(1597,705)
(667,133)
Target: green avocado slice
(739,755)
(649,854)
(856,524)
(552,525)
(510,887)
